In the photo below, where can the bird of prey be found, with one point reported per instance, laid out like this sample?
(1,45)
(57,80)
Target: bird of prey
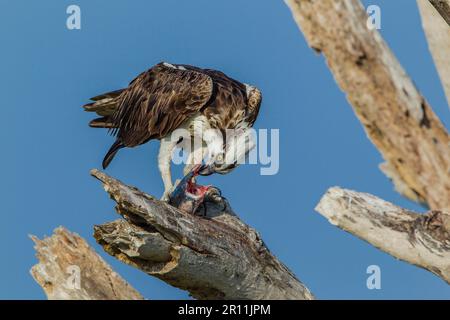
(168,97)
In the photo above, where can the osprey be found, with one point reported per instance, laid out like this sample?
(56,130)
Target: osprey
(204,102)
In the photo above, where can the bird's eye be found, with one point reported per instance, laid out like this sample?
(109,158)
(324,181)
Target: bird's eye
(219,157)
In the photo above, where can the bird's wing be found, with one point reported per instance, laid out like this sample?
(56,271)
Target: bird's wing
(254,100)
(158,101)
(233,94)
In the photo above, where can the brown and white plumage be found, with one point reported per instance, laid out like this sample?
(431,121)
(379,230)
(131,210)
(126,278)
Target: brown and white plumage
(167,97)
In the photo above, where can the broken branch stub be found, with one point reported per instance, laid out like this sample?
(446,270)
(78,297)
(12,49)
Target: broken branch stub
(420,239)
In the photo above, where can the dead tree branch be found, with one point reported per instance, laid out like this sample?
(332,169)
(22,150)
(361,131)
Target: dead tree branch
(419,239)
(396,117)
(443,7)
(62,256)
(437,32)
(212,257)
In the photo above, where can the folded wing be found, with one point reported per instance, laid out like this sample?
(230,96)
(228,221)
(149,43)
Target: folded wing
(158,101)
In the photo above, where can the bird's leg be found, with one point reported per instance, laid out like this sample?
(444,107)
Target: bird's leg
(164,163)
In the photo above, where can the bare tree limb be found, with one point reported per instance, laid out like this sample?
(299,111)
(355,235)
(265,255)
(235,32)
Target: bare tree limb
(396,117)
(62,256)
(213,257)
(437,32)
(420,239)
(443,7)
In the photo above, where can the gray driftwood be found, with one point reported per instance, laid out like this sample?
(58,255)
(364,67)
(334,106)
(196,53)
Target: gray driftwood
(419,239)
(69,269)
(215,256)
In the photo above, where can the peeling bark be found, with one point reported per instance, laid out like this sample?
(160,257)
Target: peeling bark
(214,256)
(420,239)
(395,116)
(62,256)
(437,32)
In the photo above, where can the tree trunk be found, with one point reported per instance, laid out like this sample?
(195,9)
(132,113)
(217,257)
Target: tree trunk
(443,7)
(437,32)
(396,117)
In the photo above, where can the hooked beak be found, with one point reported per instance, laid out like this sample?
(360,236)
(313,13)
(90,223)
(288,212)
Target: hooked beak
(205,170)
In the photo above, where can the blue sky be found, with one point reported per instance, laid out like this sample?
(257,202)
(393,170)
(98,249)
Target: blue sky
(48,72)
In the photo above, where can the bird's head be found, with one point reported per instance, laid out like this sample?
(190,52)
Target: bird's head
(231,155)
(218,164)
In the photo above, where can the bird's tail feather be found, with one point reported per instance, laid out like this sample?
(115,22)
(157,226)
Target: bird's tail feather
(111,153)
(102,122)
(104,104)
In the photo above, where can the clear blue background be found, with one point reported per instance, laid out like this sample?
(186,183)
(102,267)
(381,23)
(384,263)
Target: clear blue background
(47,72)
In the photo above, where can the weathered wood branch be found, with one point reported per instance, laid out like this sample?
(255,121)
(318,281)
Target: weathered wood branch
(419,239)
(213,257)
(437,32)
(397,119)
(69,269)
(443,7)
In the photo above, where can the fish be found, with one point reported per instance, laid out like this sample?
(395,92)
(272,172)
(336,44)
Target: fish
(188,196)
